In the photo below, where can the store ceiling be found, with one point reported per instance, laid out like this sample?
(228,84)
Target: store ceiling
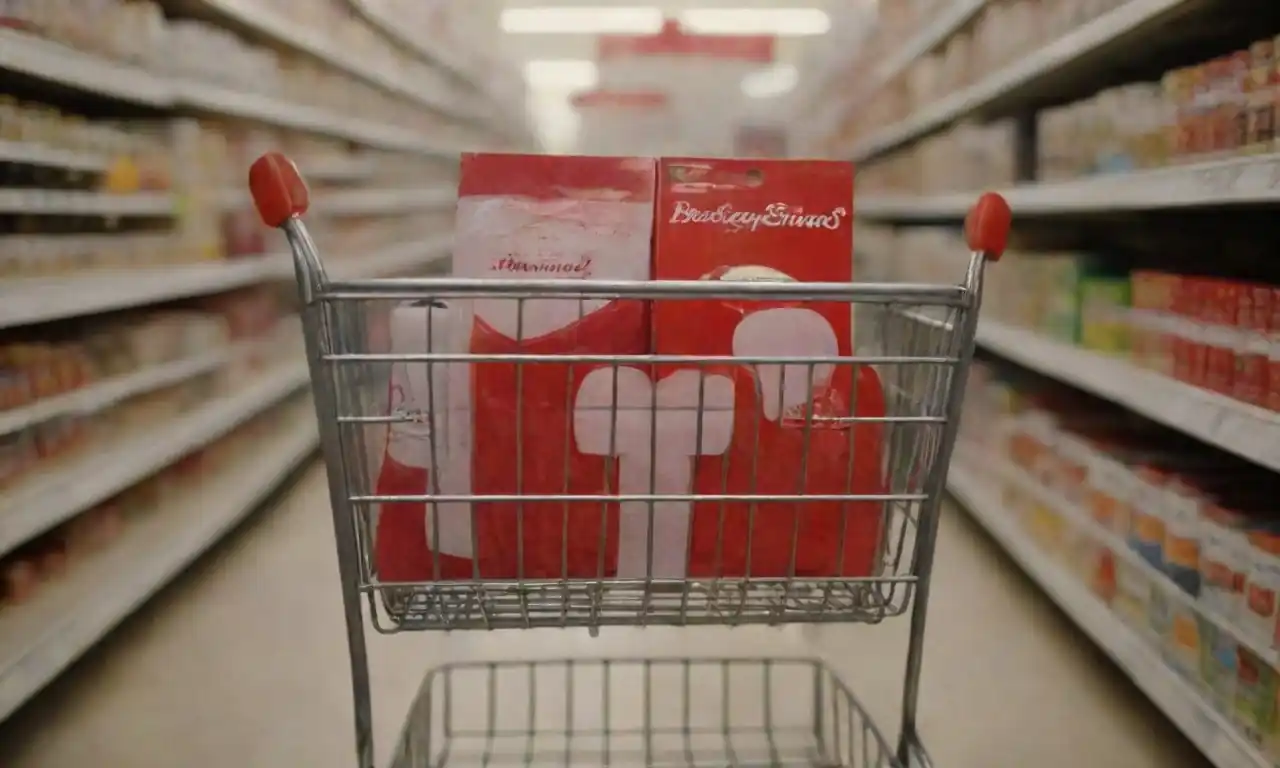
(556,64)
(525,47)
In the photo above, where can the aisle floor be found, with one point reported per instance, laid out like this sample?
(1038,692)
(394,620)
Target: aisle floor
(243,663)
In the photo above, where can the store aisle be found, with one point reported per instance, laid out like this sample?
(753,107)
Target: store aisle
(242,663)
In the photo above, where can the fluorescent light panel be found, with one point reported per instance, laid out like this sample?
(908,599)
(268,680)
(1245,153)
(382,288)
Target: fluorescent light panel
(581,20)
(771,83)
(783,22)
(561,74)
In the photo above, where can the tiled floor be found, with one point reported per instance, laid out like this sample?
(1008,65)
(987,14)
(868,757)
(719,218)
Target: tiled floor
(243,663)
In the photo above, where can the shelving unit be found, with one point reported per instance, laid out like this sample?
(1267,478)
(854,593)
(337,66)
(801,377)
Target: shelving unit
(148,164)
(1155,204)
(1021,81)
(1243,429)
(1234,182)
(1179,700)
(41,639)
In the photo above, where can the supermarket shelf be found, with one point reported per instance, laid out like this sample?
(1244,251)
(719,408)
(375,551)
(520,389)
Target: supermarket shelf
(1181,703)
(1026,75)
(344,169)
(297,35)
(53,202)
(55,496)
(40,639)
(104,394)
(1239,181)
(932,36)
(921,208)
(1082,519)
(379,201)
(396,260)
(27,301)
(31,55)
(434,55)
(47,60)
(274,111)
(35,153)
(1242,429)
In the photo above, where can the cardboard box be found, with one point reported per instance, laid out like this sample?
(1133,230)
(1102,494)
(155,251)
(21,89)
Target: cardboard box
(742,220)
(513,428)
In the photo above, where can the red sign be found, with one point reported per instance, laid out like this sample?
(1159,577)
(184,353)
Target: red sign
(674,41)
(621,99)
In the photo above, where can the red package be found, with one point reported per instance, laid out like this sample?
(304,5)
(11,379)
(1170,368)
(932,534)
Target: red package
(1254,327)
(511,430)
(1220,318)
(1164,288)
(751,220)
(1273,358)
(1189,347)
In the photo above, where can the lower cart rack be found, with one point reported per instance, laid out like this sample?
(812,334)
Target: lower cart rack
(625,713)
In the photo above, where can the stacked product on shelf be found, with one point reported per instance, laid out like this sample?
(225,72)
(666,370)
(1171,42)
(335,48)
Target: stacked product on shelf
(55,557)
(1181,542)
(147,338)
(1000,33)
(1208,331)
(1214,110)
(139,32)
(1138,159)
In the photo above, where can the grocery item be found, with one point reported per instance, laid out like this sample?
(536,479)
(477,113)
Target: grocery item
(1213,110)
(516,429)
(1225,560)
(1255,703)
(1182,504)
(1262,603)
(1219,654)
(1184,642)
(743,220)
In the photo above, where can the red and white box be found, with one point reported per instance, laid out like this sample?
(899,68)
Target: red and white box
(510,428)
(751,220)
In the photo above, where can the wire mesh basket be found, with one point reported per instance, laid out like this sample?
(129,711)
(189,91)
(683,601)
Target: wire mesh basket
(916,360)
(787,713)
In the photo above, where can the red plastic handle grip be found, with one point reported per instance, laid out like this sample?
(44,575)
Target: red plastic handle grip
(279,193)
(987,226)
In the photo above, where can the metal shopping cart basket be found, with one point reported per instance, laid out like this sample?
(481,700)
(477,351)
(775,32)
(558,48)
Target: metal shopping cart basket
(918,339)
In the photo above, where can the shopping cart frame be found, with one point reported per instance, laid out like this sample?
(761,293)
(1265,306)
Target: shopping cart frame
(282,198)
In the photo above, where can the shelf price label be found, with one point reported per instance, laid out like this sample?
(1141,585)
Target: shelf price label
(1219,180)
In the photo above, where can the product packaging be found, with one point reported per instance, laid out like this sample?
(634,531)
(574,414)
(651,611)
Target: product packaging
(413,541)
(789,432)
(512,429)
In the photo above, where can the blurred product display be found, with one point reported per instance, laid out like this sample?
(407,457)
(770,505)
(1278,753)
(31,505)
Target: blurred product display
(1122,430)
(151,365)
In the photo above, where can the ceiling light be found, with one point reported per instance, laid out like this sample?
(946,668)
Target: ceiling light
(783,22)
(771,83)
(563,74)
(581,20)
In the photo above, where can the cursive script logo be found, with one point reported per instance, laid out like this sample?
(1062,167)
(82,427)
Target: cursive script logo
(544,264)
(774,215)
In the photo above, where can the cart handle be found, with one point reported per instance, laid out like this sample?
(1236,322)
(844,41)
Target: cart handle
(279,193)
(986,228)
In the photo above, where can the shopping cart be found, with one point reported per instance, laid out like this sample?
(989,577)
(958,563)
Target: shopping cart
(712,712)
